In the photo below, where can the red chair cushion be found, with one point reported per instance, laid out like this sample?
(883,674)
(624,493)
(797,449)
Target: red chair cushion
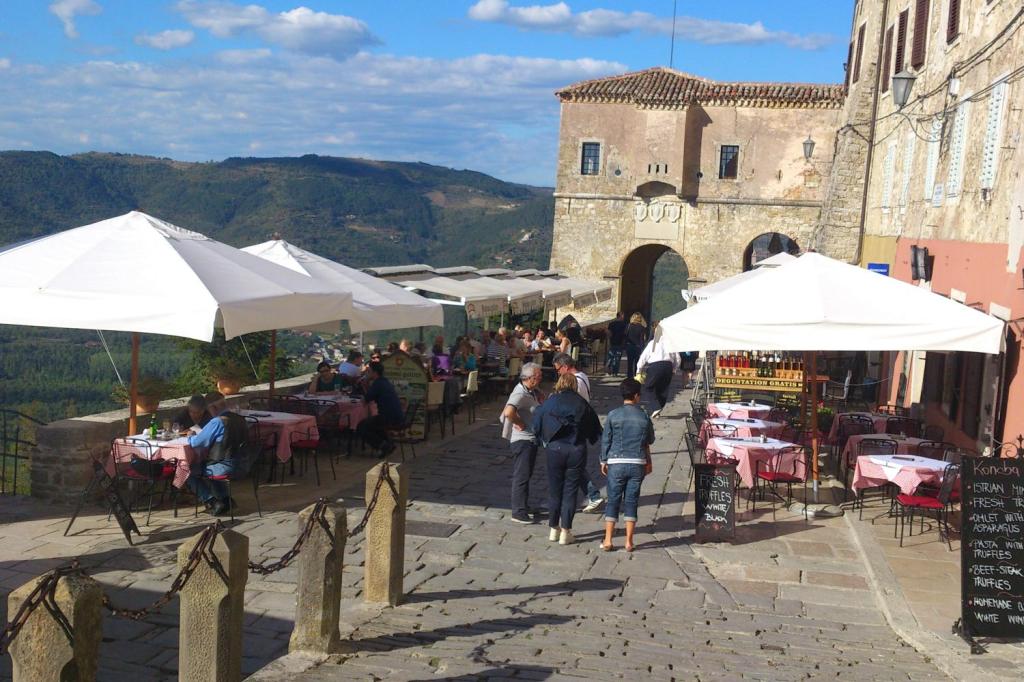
(778,477)
(219,477)
(306,444)
(923,501)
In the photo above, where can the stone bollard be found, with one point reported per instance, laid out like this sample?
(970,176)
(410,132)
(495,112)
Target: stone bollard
(41,652)
(318,603)
(210,638)
(385,537)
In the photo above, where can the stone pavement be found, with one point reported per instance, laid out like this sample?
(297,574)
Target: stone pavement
(488,598)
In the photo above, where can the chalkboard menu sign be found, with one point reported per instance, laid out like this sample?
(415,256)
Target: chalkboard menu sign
(715,486)
(992,548)
(122,513)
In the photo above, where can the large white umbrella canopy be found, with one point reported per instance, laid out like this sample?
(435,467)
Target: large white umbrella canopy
(136,273)
(702,294)
(376,303)
(817,303)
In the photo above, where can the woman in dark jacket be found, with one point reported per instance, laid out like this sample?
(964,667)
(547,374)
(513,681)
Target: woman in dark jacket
(565,423)
(636,339)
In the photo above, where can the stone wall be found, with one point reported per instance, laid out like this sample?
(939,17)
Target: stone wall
(62,460)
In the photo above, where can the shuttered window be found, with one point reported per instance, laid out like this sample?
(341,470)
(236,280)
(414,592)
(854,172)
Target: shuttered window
(920,34)
(955,176)
(908,165)
(849,64)
(993,134)
(887,60)
(901,40)
(860,53)
(887,172)
(953,23)
(932,167)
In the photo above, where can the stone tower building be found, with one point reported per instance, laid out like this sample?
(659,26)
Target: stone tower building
(660,160)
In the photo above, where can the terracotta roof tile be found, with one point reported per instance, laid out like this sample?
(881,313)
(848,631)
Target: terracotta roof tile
(666,88)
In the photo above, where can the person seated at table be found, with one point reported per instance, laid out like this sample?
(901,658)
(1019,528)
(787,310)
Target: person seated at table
(464,361)
(440,365)
(405,345)
(392,348)
(562,341)
(326,380)
(541,341)
(373,429)
(438,347)
(352,368)
(195,414)
(221,438)
(497,353)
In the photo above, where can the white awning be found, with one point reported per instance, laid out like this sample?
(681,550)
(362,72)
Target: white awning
(523,296)
(556,295)
(478,302)
(702,294)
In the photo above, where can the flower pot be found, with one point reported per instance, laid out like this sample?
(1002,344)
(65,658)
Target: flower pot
(147,403)
(229,386)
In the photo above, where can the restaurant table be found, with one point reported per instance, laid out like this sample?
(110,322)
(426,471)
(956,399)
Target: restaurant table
(176,448)
(351,410)
(285,424)
(905,471)
(879,420)
(748,451)
(745,428)
(739,410)
(905,445)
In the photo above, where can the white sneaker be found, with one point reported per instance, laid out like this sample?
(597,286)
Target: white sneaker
(655,414)
(593,506)
(566,537)
(553,535)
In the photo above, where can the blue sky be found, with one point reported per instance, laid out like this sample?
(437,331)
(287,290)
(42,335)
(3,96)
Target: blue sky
(461,83)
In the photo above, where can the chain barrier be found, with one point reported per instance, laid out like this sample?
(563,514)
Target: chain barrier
(385,477)
(44,594)
(203,551)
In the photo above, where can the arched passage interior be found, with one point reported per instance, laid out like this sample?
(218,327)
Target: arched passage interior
(766,245)
(651,281)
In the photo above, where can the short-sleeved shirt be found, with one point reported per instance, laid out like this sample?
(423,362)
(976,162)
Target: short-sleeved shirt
(349,369)
(525,402)
(583,385)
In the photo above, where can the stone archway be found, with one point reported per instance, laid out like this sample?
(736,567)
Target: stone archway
(765,245)
(636,279)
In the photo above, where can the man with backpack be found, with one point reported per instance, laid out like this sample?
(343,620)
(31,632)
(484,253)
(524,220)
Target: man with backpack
(222,438)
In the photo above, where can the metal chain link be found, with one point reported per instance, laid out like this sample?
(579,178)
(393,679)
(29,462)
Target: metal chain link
(318,516)
(385,477)
(203,551)
(44,594)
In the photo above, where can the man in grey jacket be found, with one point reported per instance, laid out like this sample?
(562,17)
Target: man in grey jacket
(515,419)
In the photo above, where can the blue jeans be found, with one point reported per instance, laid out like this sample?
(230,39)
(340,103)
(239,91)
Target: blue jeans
(524,453)
(623,491)
(587,485)
(205,489)
(614,357)
(565,461)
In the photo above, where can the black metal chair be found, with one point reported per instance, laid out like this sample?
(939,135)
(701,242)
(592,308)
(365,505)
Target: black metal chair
(787,466)
(933,432)
(696,453)
(932,449)
(866,448)
(136,465)
(903,426)
(402,433)
(941,503)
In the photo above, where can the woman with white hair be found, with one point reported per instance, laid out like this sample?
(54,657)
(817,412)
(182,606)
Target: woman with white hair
(658,365)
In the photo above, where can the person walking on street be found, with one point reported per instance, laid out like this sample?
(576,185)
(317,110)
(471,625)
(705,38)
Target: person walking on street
(563,363)
(625,460)
(616,342)
(565,423)
(517,429)
(636,337)
(658,365)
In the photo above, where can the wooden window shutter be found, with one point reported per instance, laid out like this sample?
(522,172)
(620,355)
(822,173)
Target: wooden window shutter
(920,34)
(953,25)
(901,40)
(887,60)
(849,64)
(860,53)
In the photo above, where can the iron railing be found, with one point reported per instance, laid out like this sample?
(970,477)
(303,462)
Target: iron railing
(17,440)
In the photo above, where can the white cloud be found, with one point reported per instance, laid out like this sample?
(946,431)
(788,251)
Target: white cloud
(67,10)
(560,18)
(5,63)
(166,40)
(299,30)
(488,112)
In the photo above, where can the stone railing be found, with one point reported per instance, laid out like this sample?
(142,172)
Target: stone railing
(61,463)
(56,619)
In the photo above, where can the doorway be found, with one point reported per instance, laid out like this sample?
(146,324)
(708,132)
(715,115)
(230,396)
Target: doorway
(652,279)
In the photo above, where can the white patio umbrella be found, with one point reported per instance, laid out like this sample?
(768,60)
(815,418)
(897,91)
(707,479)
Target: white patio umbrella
(702,294)
(139,274)
(376,303)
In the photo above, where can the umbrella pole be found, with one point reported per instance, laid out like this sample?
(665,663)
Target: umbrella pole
(814,421)
(273,361)
(133,394)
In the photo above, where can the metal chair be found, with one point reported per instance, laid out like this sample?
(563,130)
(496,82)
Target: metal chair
(136,464)
(932,449)
(903,426)
(434,406)
(783,468)
(248,459)
(696,453)
(933,432)
(469,396)
(867,448)
(308,444)
(402,433)
(906,505)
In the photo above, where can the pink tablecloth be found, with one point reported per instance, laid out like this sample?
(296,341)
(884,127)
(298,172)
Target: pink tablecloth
(906,471)
(745,428)
(285,424)
(905,445)
(738,410)
(879,421)
(178,449)
(748,451)
(351,411)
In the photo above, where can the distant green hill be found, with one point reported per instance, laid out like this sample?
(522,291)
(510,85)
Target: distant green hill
(356,211)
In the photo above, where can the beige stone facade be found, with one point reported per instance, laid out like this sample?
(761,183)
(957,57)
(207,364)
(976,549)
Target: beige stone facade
(656,185)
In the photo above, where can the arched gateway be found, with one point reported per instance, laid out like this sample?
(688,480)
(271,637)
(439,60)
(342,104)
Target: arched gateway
(658,161)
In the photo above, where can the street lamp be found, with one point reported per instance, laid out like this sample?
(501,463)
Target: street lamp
(808,148)
(902,83)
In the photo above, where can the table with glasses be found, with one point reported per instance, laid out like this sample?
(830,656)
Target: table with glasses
(749,451)
(749,410)
(285,424)
(906,471)
(905,445)
(160,449)
(745,428)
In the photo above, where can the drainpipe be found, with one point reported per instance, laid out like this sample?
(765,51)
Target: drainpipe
(871,133)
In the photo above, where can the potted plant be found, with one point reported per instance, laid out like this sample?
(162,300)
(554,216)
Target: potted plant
(228,374)
(149,392)
(826,415)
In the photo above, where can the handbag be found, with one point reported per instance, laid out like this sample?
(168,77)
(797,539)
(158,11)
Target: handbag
(150,468)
